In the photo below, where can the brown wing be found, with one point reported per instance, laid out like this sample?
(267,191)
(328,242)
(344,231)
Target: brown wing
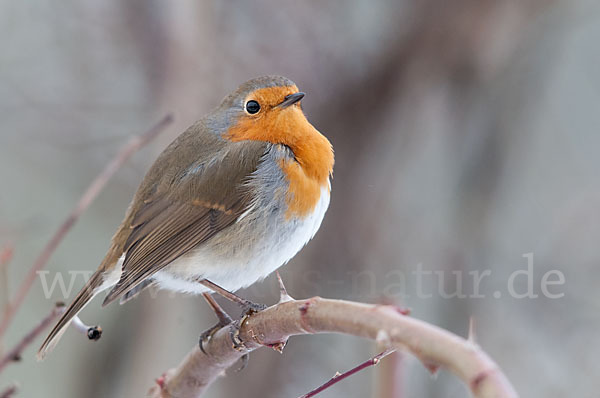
(196,206)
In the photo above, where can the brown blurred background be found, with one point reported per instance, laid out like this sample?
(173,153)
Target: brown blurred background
(466,135)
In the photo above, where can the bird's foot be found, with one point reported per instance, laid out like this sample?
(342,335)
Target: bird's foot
(249,308)
(237,343)
(222,316)
(207,334)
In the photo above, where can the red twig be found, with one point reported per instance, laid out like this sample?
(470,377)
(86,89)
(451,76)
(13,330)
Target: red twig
(9,392)
(15,354)
(88,197)
(339,377)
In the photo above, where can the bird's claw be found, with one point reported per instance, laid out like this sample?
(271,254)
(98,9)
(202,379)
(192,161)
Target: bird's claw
(237,343)
(249,308)
(244,362)
(234,334)
(207,334)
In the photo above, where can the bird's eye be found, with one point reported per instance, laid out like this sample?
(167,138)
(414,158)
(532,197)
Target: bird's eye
(252,107)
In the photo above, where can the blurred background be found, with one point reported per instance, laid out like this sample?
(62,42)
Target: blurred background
(466,136)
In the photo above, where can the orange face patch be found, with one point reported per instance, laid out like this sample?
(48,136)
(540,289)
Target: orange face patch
(270,97)
(288,126)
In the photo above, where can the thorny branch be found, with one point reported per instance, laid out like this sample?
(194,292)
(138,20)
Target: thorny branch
(386,324)
(134,144)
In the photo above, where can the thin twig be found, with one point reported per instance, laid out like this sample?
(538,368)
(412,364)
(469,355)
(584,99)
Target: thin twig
(91,332)
(9,392)
(134,144)
(15,354)
(6,255)
(339,377)
(434,346)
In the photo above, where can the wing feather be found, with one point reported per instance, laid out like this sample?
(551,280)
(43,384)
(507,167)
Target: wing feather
(171,223)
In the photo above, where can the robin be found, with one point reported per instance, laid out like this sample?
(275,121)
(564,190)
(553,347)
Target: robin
(233,198)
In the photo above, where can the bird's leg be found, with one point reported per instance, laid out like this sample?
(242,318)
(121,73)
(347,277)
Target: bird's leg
(224,320)
(248,307)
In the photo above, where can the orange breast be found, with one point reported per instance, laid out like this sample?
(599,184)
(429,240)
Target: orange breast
(304,192)
(310,172)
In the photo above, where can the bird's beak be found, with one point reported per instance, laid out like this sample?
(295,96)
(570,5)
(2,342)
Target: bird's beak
(291,100)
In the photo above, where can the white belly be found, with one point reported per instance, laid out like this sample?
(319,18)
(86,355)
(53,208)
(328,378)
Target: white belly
(255,248)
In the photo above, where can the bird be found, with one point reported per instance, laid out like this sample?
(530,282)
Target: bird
(230,200)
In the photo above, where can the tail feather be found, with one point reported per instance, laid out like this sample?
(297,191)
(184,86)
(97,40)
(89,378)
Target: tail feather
(131,294)
(91,288)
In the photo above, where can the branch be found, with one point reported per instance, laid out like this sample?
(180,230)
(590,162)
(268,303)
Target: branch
(9,392)
(15,354)
(339,377)
(383,323)
(134,144)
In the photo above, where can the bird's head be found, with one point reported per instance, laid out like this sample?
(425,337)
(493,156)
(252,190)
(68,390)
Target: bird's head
(268,109)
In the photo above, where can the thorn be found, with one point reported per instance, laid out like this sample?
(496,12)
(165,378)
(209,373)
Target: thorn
(283,294)
(279,346)
(472,337)
(432,368)
(402,310)
(161,382)
(387,302)
(377,358)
